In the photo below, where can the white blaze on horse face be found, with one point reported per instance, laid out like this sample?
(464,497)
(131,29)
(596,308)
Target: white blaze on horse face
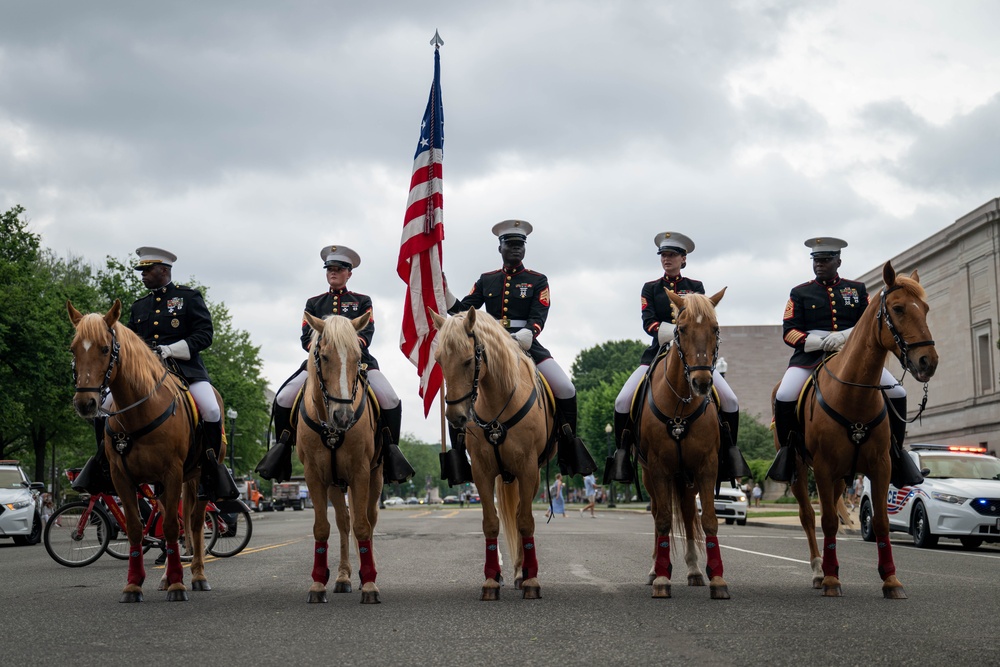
(345,382)
(699,319)
(86,345)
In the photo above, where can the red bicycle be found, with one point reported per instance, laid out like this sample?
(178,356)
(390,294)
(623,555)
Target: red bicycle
(79,533)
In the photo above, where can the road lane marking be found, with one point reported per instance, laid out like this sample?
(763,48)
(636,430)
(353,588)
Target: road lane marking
(210,558)
(761,553)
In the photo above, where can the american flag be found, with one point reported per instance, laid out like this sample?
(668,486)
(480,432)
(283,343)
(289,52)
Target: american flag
(419,262)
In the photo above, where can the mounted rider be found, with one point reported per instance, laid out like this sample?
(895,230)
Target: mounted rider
(658,321)
(176,323)
(819,317)
(339,263)
(519,299)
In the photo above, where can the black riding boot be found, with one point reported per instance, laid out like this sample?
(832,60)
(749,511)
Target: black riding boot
(618,467)
(96,474)
(277,462)
(216,480)
(732,465)
(395,467)
(574,458)
(904,470)
(454,463)
(783,467)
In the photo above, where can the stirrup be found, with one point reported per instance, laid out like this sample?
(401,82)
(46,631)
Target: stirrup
(904,471)
(455,467)
(395,467)
(573,456)
(277,462)
(618,468)
(783,467)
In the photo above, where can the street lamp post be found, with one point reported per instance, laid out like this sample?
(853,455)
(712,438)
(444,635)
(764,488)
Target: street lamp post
(232,414)
(608,430)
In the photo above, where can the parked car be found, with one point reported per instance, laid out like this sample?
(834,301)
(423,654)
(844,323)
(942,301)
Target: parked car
(20,505)
(451,500)
(414,501)
(958,499)
(730,504)
(393,501)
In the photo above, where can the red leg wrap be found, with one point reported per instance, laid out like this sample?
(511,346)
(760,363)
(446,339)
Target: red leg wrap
(886,566)
(714,557)
(662,567)
(136,571)
(492,569)
(321,571)
(529,566)
(831,567)
(175,573)
(367,569)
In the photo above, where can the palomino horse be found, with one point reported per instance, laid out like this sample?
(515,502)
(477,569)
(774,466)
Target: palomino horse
(152,424)
(681,459)
(497,393)
(338,450)
(849,433)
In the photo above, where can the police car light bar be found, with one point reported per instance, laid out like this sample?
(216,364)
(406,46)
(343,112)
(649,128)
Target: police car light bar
(971,449)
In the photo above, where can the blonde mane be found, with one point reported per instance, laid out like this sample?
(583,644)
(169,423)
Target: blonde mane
(699,306)
(138,365)
(503,355)
(338,335)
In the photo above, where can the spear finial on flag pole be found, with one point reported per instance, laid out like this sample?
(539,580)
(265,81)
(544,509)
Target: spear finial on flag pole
(436,40)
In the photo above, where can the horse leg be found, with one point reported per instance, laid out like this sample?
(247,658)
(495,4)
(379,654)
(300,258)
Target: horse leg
(321,534)
(194,516)
(717,586)
(831,523)
(170,501)
(363,533)
(342,514)
(530,588)
(807,519)
(662,506)
(652,575)
(491,530)
(133,524)
(892,587)
(689,511)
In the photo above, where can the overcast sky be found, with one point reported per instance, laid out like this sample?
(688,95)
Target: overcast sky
(245,136)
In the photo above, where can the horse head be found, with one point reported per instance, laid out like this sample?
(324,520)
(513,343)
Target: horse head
(696,337)
(903,310)
(336,362)
(461,357)
(95,357)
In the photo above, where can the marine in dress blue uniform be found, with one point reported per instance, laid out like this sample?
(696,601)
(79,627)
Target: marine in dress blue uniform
(519,299)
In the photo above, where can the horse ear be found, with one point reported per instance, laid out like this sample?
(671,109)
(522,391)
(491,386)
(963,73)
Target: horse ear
(717,297)
(437,320)
(112,315)
(889,274)
(470,319)
(74,315)
(675,299)
(361,322)
(316,323)
(914,276)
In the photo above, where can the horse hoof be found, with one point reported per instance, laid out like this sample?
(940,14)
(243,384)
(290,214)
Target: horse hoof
(696,580)
(177,596)
(517,583)
(317,596)
(817,582)
(370,597)
(719,592)
(661,590)
(894,593)
(200,585)
(833,591)
(490,594)
(531,592)
(341,587)
(131,596)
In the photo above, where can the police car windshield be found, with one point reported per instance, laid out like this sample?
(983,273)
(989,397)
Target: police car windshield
(10,479)
(964,467)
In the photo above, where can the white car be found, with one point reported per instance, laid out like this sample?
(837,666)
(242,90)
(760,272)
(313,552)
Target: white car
(393,501)
(730,504)
(958,499)
(20,505)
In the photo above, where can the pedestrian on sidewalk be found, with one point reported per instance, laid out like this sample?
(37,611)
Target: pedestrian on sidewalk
(589,490)
(757,493)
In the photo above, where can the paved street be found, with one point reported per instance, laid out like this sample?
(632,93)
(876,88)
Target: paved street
(595,606)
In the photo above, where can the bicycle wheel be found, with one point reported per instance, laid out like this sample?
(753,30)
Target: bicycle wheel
(76,534)
(211,534)
(118,546)
(235,530)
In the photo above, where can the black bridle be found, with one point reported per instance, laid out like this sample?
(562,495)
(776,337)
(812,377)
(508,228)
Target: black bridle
(904,347)
(689,369)
(480,354)
(332,433)
(105,387)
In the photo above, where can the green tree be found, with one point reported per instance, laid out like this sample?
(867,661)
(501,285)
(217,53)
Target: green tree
(600,363)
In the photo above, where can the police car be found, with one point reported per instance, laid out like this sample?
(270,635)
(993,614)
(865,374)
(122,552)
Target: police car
(20,505)
(730,504)
(958,499)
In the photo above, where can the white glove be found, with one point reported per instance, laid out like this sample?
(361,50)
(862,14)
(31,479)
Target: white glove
(523,338)
(835,340)
(449,298)
(178,350)
(666,333)
(813,343)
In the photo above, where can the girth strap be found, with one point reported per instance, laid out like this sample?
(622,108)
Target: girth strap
(496,431)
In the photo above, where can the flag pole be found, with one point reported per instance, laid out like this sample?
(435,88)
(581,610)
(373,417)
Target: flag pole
(444,440)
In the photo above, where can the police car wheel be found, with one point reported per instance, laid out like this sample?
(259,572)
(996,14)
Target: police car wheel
(922,536)
(867,529)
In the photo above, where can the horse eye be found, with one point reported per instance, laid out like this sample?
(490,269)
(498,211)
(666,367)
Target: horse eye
(899,310)
(105,350)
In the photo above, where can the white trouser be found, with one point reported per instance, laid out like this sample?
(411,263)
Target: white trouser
(795,378)
(560,383)
(387,398)
(727,398)
(204,398)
